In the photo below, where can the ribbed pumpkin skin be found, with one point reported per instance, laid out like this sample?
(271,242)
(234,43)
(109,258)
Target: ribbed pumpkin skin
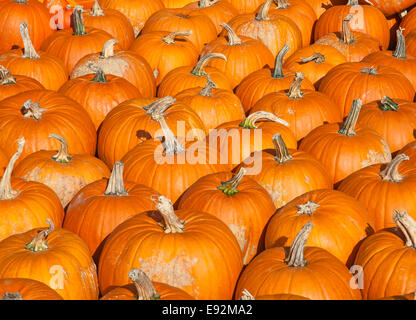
(388,265)
(99,98)
(28,289)
(391,7)
(128,292)
(93,215)
(409,296)
(408,22)
(68,256)
(22,84)
(128,125)
(4,160)
(64,116)
(410,151)
(177,259)
(340,223)
(323,278)
(320,6)
(411,43)
(281,296)
(30,209)
(246,6)
(246,213)
(176,3)
(346,82)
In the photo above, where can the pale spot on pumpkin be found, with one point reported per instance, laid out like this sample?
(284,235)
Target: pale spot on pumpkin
(375,157)
(240,234)
(290,111)
(307,179)
(111,65)
(276,193)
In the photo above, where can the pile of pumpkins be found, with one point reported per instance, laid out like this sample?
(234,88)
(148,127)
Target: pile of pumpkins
(103,103)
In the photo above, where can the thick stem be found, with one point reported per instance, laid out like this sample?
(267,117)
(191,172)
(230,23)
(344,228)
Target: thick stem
(296,253)
(349,124)
(20,1)
(32,110)
(199,68)
(282,153)
(157,109)
(108,49)
(39,242)
(352,3)
(407,225)
(347,35)
(369,70)
(6,191)
(400,52)
(281,4)
(62,156)
(115,185)
(29,51)
(172,224)
(99,73)
(233,39)
(6,77)
(316,57)
(170,38)
(246,295)
(263,13)
(144,286)
(278,63)
(391,171)
(11,296)
(295,91)
(250,121)
(206,92)
(307,208)
(387,104)
(230,187)
(206,3)
(96,10)
(78,21)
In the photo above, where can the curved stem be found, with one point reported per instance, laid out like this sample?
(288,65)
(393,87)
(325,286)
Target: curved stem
(39,242)
(282,153)
(115,185)
(307,208)
(78,21)
(407,225)
(349,124)
(369,70)
(295,91)
(156,109)
(347,35)
(250,121)
(170,38)
(278,63)
(281,4)
(246,295)
(233,39)
(296,253)
(11,296)
(172,224)
(391,171)
(99,73)
(230,187)
(29,51)
(171,144)
(387,104)
(316,57)
(6,77)
(263,13)
(96,10)
(199,68)
(6,191)
(108,49)
(32,110)
(144,286)
(206,92)
(62,156)
(400,52)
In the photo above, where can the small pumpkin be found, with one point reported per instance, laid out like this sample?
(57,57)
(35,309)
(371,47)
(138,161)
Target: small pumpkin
(14,84)
(26,289)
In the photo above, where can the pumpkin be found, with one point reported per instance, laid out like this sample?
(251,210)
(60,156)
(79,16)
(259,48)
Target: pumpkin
(314,61)
(364,81)
(177,260)
(303,110)
(124,64)
(53,112)
(143,288)
(408,22)
(70,45)
(246,6)
(26,289)
(287,173)
(244,55)
(181,19)
(113,22)
(187,77)
(310,272)
(137,11)
(49,70)
(176,3)
(261,82)
(165,51)
(354,45)
(388,258)
(99,207)
(411,43)
(54,256)
(250,135)
(14,84)
(65,173)
(367,19)
(246,295)
(99,93)
(3,162)
(238,201)
(389,8)
(274,31)
(33,13)
(25,205)
(132,122)
(393,119)
(409,150)
(392,183)
(409,296)
(344,148)
(320,6)
(214,106)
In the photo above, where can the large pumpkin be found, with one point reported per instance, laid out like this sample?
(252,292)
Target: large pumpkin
(14,84)
(246,6)
(26,289)
(411,42)
(390,7)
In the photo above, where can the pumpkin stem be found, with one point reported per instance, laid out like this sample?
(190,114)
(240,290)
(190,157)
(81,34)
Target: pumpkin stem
(157,108)
(233,38)
(369,70)
(296,253)
(349,124)
(96,10)
(347,35)
(246,295)
(400,52)
(99,73)
(78,20)
(143,284)
(316,57)
(6,77)
(39,242)
(29,51)
(11,296)
(172,224)
(206,3)
(32,110)
(295,91)
(281,4)
(20,1)
(170,38)
(230,187)
(263,13)
(115,185)
(206,92)
(108,49)
(278,63)
(282,153)
(199,68)
(407,225)
(6,191)
(387,104)
(391,171)
(352,3)
(250,121)
(307,208)
(62,156)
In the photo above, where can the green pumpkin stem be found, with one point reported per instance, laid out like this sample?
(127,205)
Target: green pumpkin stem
(316,57)
(263,13)
(108,49)
(391,171)
(349,124)
(407,225)
(115,185)
(233,38)
(296,254)
(207,91)
(295,91)
(278,63)
(100,75)
(387,104)
(400,52)
(96,10)
(39,242)
(347,35)
(78,21)
(352,3)
(170,38)
(250,121)
(62,156)
(11,296)
(6,191)
(230,187)
(281,150)
(144,286)
(29,51)
(199,68)
(370,71)
(6,77)
(171,223)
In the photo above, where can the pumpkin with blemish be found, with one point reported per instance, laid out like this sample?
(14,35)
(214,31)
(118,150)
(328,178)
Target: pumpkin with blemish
(26,289)
(13,84)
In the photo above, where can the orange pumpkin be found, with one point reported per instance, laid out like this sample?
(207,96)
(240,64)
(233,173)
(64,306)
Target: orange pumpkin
(26,289)
(278,296)
(246,6)
(3,162)
(411,42)
(409,150)
(389,8)
(408,22)
(176,3)
(14,84)
(320,6)
(409,296)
